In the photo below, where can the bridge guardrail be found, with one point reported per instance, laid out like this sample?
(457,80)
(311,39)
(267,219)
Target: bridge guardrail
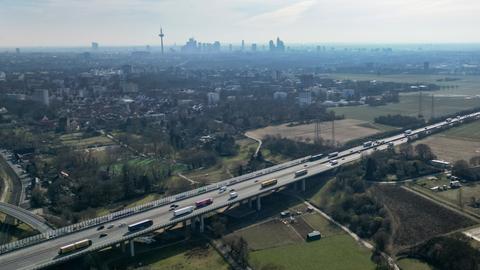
(137,209)
(139,233)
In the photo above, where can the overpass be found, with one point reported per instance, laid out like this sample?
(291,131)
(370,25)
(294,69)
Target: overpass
(25,216)
(42,250)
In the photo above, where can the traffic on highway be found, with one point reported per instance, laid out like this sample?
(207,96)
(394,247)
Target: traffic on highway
(184,208)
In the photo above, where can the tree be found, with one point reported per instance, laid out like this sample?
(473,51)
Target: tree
(38,197)
(406,151)
(370,169)
(424,152)
(461,169)
(475,161)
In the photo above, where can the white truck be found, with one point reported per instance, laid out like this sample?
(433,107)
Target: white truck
(183,211)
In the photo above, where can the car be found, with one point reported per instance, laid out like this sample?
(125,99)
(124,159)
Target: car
(222,189)
(100,228)
(110,226)
(232,189)
(122,225)
(173,207)
(102,235)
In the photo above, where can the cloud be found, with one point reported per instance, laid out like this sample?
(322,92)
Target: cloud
(284,15)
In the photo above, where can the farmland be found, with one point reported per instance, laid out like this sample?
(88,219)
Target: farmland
(461,142)
(417,219)
(412,264)
(279,242)
(408,106)
(345,130)
(467,85)
(332,253)
(186,256)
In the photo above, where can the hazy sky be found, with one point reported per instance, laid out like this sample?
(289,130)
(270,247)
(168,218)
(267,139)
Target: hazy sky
(137,22)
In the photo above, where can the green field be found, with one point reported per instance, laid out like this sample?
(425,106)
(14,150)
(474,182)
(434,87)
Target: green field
(339,252)
(467,85)
(227,165)
(408,105)
(76,140)
(268,235)
(322,225)
(179,256)
(413,264)
(469,131)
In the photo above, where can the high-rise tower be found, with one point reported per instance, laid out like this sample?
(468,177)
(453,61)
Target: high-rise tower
(161,35)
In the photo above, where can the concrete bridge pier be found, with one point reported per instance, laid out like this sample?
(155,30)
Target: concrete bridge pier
(259,203)
(132,248)
(303,185)
(250,202)
(122,246)
(202,224)
(193,223)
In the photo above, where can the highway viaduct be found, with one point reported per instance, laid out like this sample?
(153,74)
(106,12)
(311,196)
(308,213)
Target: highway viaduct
(42,250)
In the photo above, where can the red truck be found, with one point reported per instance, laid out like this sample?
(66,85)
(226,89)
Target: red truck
(204,202)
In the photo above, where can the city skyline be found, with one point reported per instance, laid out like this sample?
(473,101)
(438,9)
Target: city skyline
(121,22)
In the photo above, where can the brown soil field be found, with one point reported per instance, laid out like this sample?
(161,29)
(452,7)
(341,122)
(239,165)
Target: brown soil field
(345,130)
(452,149)
(416,219)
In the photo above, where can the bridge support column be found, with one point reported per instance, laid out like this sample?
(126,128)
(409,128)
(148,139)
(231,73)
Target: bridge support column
(303,185)
(193,222)
(132,248)
(122,246)
(187,229)
(202,224)
(250,202)
(259,203)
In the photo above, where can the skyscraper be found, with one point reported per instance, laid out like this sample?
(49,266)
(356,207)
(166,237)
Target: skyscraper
(280,45)
(94,45)
(243,45)
(254,47)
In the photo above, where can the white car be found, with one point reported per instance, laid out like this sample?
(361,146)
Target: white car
(222,189)
(233,194)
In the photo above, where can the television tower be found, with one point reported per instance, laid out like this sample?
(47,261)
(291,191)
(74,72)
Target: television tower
(161,35)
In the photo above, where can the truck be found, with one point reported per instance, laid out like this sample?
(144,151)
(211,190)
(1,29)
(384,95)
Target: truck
(140,225)
(204,202)
(268,183)
(367,144)
(75,246)
(333,154)
(183,211)
(315,157)
(301,172)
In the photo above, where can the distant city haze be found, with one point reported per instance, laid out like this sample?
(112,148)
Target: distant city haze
(34,23)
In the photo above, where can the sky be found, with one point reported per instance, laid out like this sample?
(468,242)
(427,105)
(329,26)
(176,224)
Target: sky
(33,23)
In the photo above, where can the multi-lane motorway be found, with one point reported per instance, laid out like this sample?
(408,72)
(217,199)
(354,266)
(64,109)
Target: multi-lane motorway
(46,253)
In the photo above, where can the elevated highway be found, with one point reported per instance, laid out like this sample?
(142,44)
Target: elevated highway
(25,216)
(43,251)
